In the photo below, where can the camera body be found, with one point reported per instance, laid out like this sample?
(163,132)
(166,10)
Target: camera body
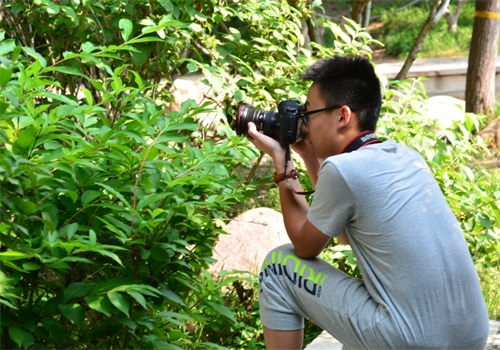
(283,126)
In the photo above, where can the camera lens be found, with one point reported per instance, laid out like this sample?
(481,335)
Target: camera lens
(263,120)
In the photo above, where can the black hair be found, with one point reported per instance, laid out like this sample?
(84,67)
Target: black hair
(351,81)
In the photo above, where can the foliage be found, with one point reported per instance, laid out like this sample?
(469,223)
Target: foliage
(490,280)
(107,221)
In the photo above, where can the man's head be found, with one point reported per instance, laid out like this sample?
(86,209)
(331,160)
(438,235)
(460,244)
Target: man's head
(351,81)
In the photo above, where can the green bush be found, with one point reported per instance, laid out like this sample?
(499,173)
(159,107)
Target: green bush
(106,222)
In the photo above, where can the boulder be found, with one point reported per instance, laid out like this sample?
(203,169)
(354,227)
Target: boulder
(447,110)
(249,238)
(491,133)
(192,87)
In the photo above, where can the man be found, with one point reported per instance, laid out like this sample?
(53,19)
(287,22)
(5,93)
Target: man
(420,289)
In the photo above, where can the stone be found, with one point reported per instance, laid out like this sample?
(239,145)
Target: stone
(249,238)
(447,110)
(192,87)
(491,133)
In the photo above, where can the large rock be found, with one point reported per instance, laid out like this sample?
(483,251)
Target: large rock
(447,110)
(191,87)
(249,238)
(492,133)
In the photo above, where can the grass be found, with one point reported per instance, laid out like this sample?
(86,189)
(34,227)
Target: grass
(490,280)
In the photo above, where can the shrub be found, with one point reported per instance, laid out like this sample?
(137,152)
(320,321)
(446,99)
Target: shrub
(108,214)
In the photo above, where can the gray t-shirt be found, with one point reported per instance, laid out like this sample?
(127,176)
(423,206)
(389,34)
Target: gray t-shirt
(408,243)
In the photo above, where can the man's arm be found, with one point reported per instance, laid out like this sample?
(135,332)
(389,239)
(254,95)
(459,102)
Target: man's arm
(306,238)
(343,239)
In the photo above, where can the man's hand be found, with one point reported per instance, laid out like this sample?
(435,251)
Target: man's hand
(304,149)
(267,145)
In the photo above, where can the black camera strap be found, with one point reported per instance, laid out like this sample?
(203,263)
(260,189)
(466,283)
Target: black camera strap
(363,139)
(288,157)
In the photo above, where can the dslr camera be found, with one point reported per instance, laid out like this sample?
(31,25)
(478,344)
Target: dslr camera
(283,126)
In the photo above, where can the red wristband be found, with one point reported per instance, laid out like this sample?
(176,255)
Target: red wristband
(292,174)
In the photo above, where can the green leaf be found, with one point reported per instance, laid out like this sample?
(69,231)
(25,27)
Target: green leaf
(77,290)
(110,255)
(88,96)
(5,75)
(139,298)
(126,26)
(31,266)
(120,302)
(89,196)
(7,46)
(88,47)
(115,193)
(71,230)
(468,171)
(8,304)
(53,9)
(73,312)
(191,68)
(167,5)
(70,13)
(141,288)
(21,337)
(30,52)
(172,297)
(99,303)
(145,40)
(92,237)
(66,70)
(222,309)
(174,317)
(11,256)
(26,139)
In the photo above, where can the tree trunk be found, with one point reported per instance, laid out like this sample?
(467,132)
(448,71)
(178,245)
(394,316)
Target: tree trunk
(366,14)
(358,6)
(481,72)
(438,9)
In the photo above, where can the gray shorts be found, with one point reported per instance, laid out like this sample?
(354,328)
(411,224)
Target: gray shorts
(293,289)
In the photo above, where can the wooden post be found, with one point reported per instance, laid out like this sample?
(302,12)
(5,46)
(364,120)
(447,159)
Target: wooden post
(481,72)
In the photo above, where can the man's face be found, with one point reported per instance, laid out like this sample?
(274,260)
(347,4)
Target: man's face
(321,126)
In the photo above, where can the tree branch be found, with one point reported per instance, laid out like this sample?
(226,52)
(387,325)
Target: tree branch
(437,11)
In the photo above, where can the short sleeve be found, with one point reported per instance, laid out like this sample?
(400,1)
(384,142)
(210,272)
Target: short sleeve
(333,204)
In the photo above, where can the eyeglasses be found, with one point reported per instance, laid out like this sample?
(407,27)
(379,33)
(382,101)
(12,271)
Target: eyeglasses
(306,114)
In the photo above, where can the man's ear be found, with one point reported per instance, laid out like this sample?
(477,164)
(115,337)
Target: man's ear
(345,117)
